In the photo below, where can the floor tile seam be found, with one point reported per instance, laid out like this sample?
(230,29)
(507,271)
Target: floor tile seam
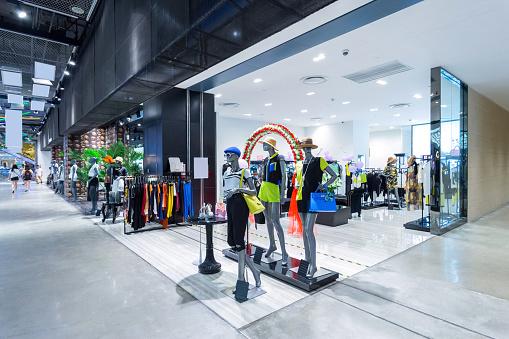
(246,326)
(374,315)
(344,282)
(176,284)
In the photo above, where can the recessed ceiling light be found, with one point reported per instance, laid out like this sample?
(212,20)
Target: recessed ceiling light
(72,63)
(400,106)
(418,96)
(319,57)
(139,125)
(314,79)
(310,93)
(257,80)
(397,115)
(66,72)
(61,88)
(22,14)
(77,10)
(436,102)
(374,109)
(218,95)
(346,102)
(44,71)
(376,124)
(392,127)
(247,114)
(229,104)
(316,119)
(286,119)
(268,104)
(443,106)
(381,82)
(304,111)
(332,116)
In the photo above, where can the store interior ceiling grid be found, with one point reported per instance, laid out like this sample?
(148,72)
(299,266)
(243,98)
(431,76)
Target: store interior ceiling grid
(464,36)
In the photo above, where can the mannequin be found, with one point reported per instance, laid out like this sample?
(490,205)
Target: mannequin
(237,211)
(73,176)
(392,178)
(118,172)
(272,193)
(93,182)
(52,173)
(108,178)
(309,176)
(60,178)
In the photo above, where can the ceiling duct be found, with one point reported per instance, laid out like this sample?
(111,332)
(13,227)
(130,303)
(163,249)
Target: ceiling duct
(378,72)
(314,79)
(229,104)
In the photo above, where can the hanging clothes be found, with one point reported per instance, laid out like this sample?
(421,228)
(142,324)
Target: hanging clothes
(188,200)
(413,196)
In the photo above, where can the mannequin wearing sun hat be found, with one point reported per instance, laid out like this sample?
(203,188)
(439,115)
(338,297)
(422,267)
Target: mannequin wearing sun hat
(392,178)
(272,193)
(413,196)
(237,210)
(309,176)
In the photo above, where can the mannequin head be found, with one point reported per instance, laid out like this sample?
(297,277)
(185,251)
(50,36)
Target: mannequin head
(268,148)
(92,160)
(306,144)
(119,161)
(61,163)
(269,145)
(53,162)
(232,155)
(73,162)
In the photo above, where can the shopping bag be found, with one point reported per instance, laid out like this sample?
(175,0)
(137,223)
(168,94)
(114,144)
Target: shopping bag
(253,203)
(322,202)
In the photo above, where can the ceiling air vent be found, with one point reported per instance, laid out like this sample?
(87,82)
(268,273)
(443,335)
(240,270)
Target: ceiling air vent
(400,106)
(229,104)
(378,72)
(316,119)
(314,79)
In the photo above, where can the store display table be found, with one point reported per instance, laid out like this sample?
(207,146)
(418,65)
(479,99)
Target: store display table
(290,273)
(209,265)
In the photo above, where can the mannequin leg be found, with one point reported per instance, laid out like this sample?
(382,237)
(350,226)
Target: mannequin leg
(275,214)
(308,228)
(243,260)
(73,190)
(396,193)
(56,188)
(256,273)
(61,184)
(304,218)
(270,228)
(93,198)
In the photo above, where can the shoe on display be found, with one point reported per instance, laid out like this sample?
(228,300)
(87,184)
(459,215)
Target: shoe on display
(203,213)
(208,211)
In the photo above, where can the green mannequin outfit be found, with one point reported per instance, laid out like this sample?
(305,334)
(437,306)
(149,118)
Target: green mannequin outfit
(269,191)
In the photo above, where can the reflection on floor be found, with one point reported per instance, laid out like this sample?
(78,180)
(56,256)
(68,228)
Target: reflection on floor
(348,249)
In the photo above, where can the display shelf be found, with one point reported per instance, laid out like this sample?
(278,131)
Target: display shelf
(275,268)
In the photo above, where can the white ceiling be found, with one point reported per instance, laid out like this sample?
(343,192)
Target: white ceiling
(467,37)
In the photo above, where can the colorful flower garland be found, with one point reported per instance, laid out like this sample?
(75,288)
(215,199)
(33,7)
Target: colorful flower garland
(272,129)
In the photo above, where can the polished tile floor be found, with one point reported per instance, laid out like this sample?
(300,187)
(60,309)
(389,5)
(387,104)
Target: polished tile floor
(62,276)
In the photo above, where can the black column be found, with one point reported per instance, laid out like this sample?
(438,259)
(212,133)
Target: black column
(165,133)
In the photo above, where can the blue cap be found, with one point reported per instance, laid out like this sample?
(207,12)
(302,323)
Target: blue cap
(234,150)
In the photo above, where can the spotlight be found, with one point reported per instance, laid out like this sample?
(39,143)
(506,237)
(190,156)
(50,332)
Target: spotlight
(66,72)
(121,123)
(22,14)
(72,63)
(36,112)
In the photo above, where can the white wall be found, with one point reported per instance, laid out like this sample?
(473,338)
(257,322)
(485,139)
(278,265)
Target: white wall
(382,145)
(43,159)
(235,132)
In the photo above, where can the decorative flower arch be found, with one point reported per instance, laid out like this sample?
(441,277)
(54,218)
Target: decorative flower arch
(272,129)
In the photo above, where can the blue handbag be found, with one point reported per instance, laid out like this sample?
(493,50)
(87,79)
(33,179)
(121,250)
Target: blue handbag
(322,202)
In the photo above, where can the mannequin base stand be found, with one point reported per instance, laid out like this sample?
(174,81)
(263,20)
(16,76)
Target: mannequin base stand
(290,273)
(249,293)
(421,224)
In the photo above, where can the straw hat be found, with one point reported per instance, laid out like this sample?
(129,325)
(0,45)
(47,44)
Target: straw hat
(109,159)
(306,142)
(269,141)
(119,159)
(391,160)
(411,160)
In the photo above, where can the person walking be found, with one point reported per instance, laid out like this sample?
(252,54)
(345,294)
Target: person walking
(14,175)
(38,174)
(27,177)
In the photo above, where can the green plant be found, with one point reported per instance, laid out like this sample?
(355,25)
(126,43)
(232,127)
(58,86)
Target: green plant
(335,185)
(131,162)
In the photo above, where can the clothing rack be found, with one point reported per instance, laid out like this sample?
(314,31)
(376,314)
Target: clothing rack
(173,179)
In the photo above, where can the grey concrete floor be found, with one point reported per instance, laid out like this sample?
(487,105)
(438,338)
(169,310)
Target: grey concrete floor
(61,276)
